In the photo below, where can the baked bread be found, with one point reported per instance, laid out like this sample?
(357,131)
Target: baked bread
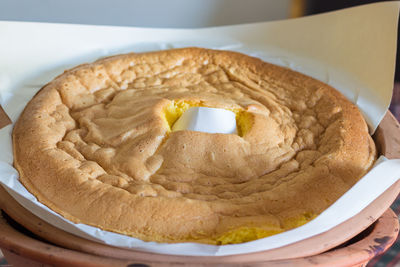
(95,145)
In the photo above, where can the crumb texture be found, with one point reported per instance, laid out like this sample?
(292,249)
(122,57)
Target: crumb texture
(95,145)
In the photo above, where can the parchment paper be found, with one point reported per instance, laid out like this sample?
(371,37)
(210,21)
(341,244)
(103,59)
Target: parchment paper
(353,50)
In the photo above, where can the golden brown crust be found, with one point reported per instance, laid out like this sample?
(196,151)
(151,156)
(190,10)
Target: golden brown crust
(93,146)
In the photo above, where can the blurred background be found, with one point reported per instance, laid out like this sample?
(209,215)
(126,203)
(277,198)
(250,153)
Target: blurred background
(187,14)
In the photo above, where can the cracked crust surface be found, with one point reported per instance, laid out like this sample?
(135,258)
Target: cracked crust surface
(94,146)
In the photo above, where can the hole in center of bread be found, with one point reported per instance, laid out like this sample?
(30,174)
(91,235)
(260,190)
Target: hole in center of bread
(176,108)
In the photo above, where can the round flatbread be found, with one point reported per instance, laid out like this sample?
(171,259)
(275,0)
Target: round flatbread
(95,145)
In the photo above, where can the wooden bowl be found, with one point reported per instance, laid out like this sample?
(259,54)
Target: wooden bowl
(387,138)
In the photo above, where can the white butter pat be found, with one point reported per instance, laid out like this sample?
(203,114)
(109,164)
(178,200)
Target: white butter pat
(207,120)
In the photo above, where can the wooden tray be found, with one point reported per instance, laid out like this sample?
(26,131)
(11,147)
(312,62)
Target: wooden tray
(387,138)
(21,249)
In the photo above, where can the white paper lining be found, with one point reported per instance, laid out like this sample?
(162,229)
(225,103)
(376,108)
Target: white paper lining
(34,53)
